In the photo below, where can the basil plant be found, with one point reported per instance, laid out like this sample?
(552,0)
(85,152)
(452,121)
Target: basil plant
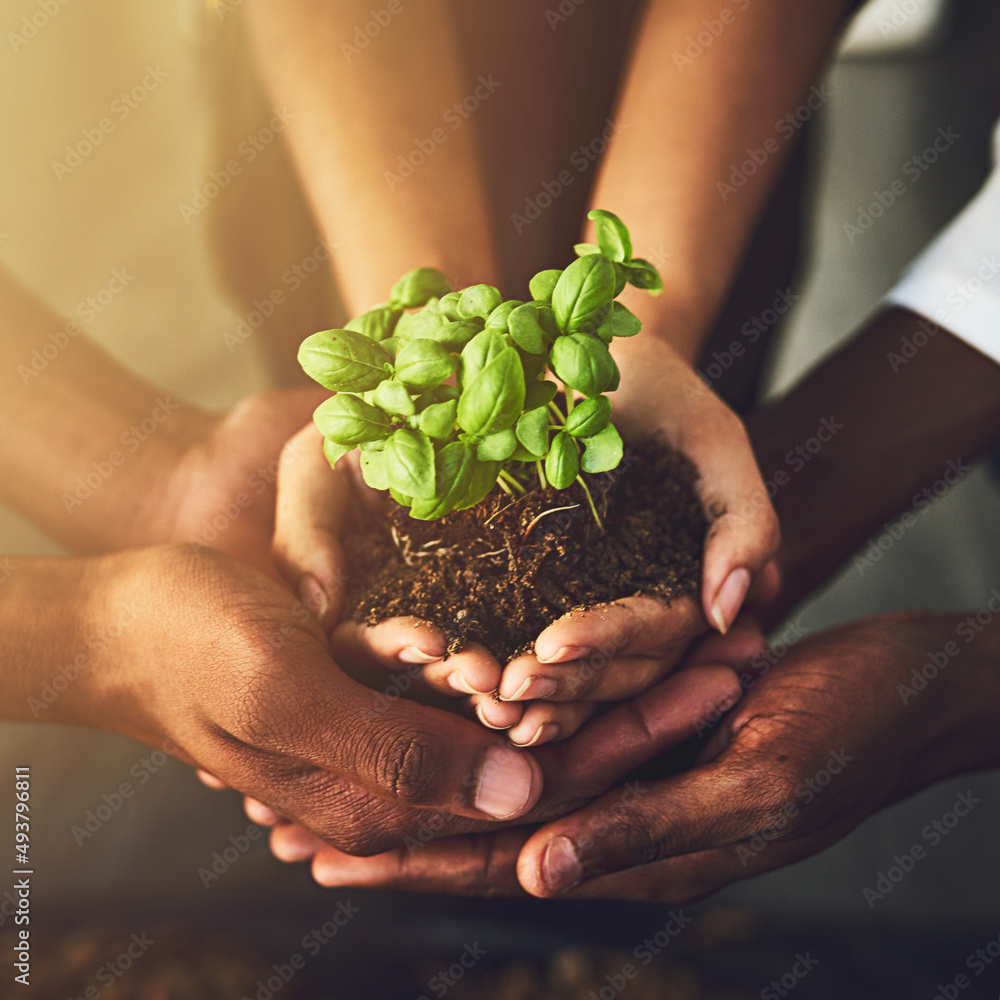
(446,392)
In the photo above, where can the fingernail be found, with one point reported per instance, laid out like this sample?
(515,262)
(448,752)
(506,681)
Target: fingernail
(729,599)
(414,654)
(560,865)
(530,689)
(485,720)
(504,784)
(313,596)
(564,653)
(459,682)
(545,732)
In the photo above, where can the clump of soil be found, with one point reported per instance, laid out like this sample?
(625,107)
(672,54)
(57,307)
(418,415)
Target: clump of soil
(502,571)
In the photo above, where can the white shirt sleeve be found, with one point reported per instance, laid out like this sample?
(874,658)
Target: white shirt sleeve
(956,280)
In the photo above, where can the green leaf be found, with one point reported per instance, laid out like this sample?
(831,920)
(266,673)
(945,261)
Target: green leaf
(482,480)
(562,463)
(444,393)
(533,431)
(422,325)
(584,249)
(423,364)
(401,498)
(335,452)
(344,361)
(494,399)
(521,454)
(497,447)
(438,419)
(350,420)
(453,472)
(497,320)
(612,236)
(539,394)
(376,324)
(542,284)
(584,363)
(583,295)
(393,397)
(417,287)
(621,323)
(642,274)
(373,469)
(478,300)
(390,345)
(448,306)
(621,278)
(589,417)
(453,336)
(480,351)
(533,327)
(409,463)
(603,451)
(533,365)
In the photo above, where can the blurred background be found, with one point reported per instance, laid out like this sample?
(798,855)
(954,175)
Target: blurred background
(905,69)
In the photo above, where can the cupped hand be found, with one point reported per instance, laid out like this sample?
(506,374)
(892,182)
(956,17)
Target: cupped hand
(822,738)
(235,672)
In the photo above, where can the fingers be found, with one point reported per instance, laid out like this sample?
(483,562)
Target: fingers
(632,733)
(530,724)
(744,533)
(710,806)
(644,626)
(259,813)
(210,780)
(408,753)
(474,865)
(312,507)
(291,843)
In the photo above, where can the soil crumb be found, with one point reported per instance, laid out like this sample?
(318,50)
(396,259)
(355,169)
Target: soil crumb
(501,572)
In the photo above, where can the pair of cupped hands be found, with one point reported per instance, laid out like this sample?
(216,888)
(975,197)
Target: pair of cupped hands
(246,672)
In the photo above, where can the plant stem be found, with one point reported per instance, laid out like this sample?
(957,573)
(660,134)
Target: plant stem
(558,414)
(590,501)
(541,474)
(506,480)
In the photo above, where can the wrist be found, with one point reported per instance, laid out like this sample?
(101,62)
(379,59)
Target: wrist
(53,638)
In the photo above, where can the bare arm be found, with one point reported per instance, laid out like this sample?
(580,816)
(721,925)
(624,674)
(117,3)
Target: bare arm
(356,114)
(710,87)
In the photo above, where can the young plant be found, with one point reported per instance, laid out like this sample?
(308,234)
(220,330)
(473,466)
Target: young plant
(445,392)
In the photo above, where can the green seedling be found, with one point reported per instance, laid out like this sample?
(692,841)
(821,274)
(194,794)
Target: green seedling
(445,392)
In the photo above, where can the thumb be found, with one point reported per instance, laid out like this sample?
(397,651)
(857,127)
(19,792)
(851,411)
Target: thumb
(313,505)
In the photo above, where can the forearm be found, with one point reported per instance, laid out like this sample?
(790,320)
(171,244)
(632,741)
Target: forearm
(688,122)
(81,438)
(49,639)
(869,434)
(357,116)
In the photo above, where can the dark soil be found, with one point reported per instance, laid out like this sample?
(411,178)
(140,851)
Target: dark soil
(502,571)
